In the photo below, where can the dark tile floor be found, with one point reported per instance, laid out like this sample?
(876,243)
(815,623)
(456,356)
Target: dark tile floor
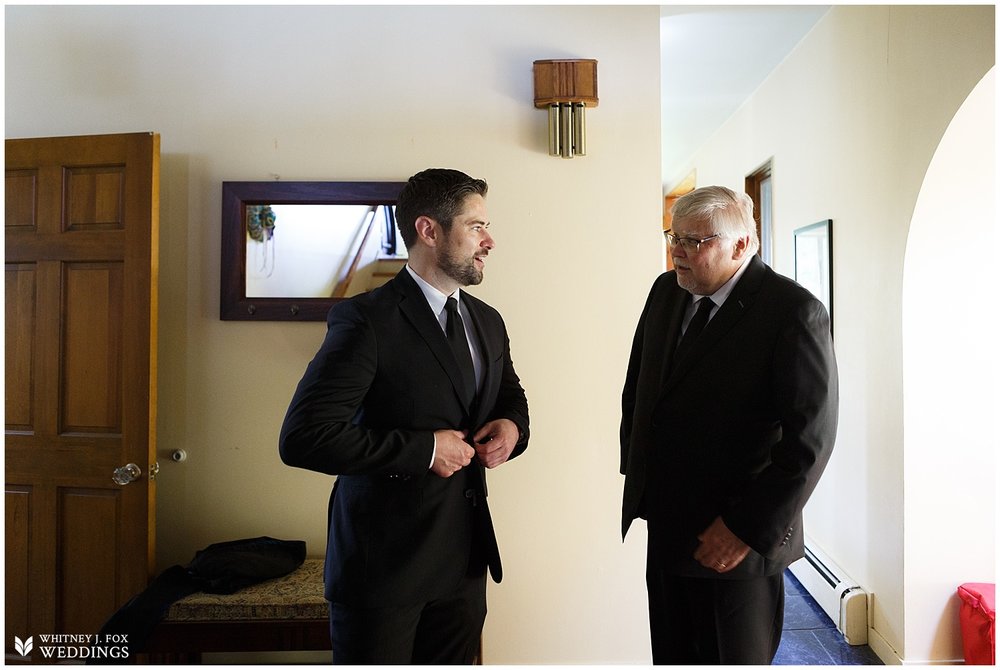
(811,638)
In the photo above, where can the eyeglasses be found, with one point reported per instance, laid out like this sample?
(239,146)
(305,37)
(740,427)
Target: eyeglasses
(691,245)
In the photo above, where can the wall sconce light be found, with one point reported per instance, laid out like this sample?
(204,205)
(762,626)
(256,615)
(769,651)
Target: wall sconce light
(566,87)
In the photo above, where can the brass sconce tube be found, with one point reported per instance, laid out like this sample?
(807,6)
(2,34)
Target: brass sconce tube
(553,130)
(566,121)
(579,129)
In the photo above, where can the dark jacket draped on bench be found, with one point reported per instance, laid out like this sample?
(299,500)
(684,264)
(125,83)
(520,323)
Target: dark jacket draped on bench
(225,567)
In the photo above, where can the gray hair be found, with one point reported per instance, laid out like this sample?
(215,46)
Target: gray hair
(729,213)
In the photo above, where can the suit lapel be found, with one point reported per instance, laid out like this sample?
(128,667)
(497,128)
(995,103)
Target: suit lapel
(488,350)
(736,305)
(672,333)
(415,309)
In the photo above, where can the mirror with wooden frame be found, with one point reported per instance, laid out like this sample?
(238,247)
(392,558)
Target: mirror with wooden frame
(290,250)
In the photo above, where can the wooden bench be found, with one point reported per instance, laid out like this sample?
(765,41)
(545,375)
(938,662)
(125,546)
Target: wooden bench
(284,614)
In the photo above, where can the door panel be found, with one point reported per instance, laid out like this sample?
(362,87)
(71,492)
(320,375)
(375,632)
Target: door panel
(20,199)
(84,594)
(17,508)
(80,236)
(19,285)
(92,348)
(94,198)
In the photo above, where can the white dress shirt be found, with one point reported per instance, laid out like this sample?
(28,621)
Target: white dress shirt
(719,297)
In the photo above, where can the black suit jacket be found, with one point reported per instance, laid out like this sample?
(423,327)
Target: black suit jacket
(382,382)
(742,427)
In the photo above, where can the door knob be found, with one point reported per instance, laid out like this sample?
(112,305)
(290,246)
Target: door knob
(126,474)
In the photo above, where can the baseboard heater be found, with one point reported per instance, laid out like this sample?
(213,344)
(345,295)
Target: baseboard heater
(843,600)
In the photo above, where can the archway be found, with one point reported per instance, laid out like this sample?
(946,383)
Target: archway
(950,365)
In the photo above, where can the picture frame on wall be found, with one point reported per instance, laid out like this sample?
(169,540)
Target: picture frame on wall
(814,261)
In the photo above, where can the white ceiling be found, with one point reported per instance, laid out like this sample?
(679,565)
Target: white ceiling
(712,58)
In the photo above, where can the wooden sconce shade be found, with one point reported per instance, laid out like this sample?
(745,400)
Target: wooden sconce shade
(565,80)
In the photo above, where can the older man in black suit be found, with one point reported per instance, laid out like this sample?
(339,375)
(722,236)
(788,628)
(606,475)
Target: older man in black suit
(412,394)
(729,416)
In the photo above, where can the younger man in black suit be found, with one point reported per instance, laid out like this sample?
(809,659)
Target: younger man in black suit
(729,415)
(412,394)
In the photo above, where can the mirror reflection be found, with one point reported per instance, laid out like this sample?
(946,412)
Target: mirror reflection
(320,251)
(290,250)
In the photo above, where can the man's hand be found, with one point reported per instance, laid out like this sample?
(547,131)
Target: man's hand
(452,452)
(495,441)
(720,550)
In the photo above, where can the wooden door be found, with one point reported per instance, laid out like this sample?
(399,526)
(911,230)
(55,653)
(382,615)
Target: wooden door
(81,222)
(686,186)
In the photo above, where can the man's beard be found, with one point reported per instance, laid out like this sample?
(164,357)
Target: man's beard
(464,272)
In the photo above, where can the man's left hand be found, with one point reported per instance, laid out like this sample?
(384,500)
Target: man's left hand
(720,549)
(495,441)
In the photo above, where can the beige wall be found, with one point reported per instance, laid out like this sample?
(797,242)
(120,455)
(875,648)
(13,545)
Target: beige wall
(851,120)
(257,93)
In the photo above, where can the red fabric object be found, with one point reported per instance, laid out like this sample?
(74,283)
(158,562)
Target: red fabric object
(978,618)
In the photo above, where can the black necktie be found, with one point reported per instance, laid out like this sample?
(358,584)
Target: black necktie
(694,328)
(455,330)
